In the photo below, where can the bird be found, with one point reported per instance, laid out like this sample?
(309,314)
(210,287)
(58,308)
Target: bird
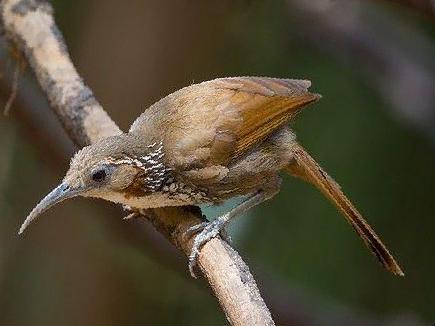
(204,144)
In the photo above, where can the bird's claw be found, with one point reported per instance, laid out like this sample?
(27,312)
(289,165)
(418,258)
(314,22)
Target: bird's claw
(207,231)
(133,212)
(195,228)
(131,216)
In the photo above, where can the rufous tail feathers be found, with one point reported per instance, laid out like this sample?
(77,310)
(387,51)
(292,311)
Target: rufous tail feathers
(305,167)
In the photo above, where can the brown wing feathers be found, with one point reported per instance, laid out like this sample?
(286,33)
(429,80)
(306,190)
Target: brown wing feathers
(305,167)
(219,120)
(241,112)
(264,104)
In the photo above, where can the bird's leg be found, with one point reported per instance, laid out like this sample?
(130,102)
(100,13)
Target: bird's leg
(201,226)
(209,230)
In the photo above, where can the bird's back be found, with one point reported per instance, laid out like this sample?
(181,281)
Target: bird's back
(214,122)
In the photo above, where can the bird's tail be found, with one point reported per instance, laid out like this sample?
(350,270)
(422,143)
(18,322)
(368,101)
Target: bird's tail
(305,167)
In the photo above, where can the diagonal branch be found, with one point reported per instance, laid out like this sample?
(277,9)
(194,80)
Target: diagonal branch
(30,25)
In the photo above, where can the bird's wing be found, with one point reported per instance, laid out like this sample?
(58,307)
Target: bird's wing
(219,120)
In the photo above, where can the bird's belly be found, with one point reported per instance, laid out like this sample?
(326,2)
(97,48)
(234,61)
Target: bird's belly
(158,199)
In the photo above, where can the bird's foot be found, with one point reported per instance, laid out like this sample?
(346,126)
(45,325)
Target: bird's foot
(207,231)
(132,212)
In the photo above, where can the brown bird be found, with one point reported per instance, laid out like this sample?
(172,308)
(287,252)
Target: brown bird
(207,143)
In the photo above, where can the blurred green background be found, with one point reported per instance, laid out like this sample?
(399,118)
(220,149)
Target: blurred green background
(373,130)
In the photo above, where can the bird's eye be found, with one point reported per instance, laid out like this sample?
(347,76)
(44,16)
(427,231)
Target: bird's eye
(99,175)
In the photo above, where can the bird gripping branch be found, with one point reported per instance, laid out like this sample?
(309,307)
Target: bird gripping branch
(207,143)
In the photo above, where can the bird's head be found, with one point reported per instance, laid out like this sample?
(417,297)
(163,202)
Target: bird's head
(101,170)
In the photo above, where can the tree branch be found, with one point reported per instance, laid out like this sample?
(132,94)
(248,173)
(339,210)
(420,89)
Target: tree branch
(30,25)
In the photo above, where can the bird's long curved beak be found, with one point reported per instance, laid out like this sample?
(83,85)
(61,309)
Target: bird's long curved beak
(58,194)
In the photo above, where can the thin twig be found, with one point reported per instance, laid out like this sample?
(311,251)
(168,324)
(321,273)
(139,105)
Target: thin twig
(19,67)
(30,25)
